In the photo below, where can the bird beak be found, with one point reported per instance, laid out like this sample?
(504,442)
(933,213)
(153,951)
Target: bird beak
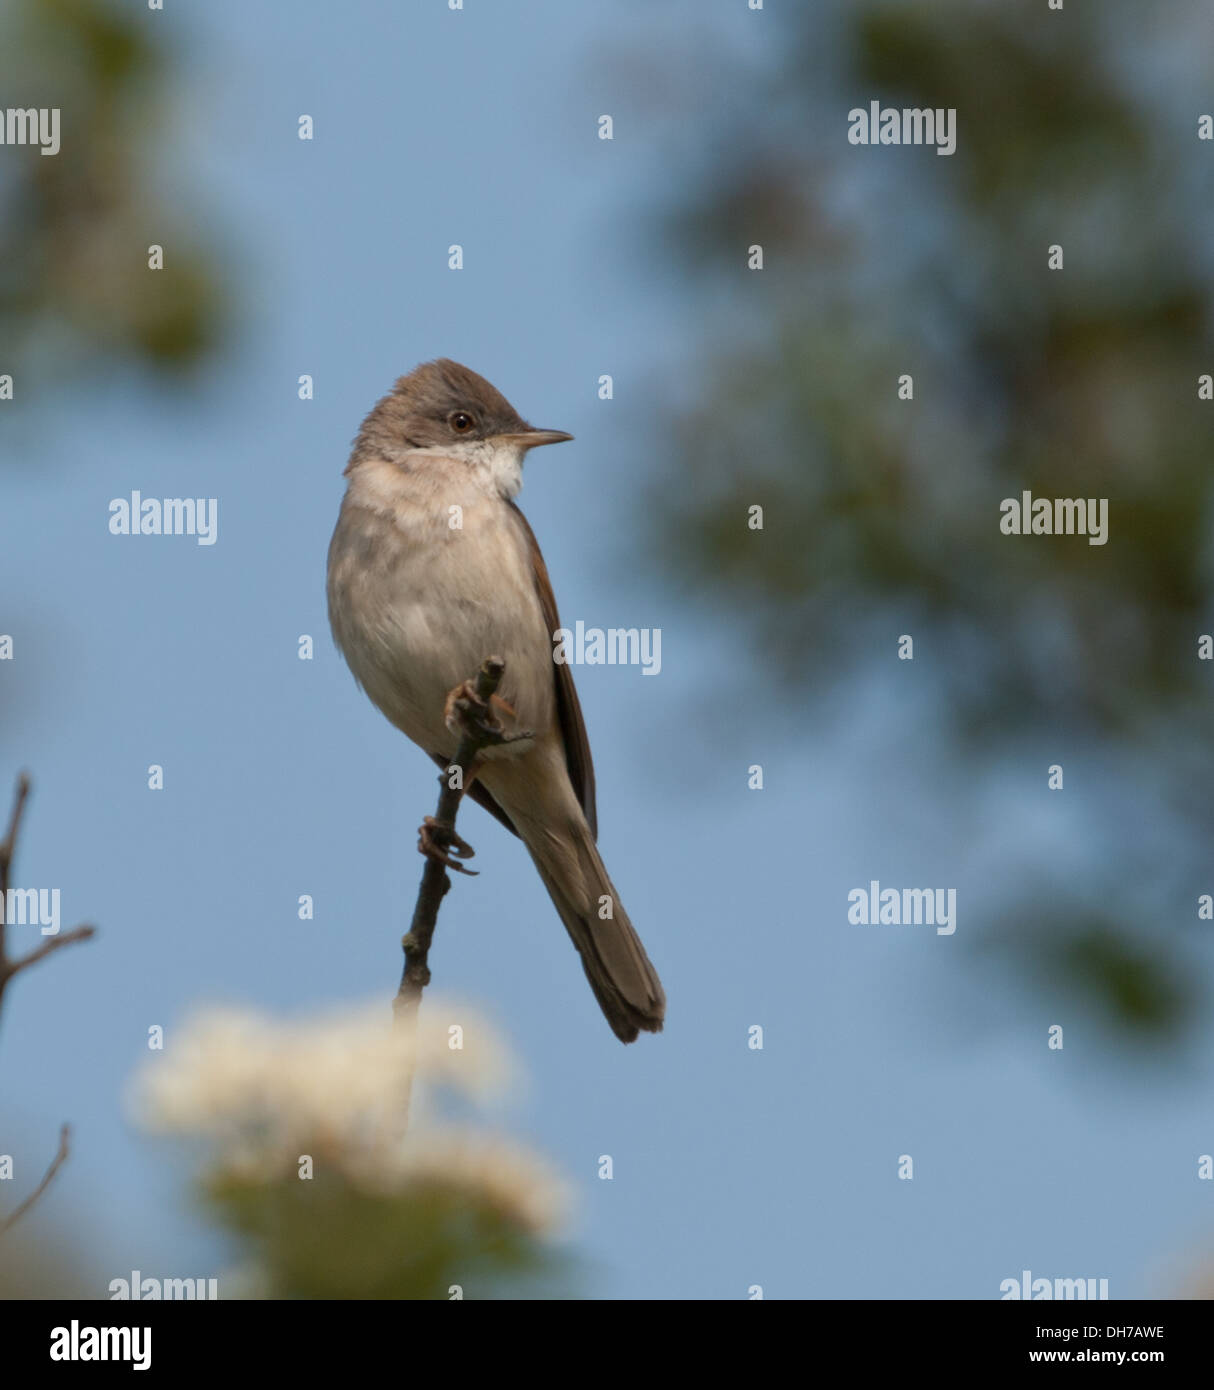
(530,439)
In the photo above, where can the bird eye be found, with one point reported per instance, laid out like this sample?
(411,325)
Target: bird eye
(461,422)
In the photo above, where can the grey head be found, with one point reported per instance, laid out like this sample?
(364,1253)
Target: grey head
(440,404)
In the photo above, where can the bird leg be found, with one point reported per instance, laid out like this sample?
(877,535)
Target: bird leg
(434,840)
(476,719)
(476,722)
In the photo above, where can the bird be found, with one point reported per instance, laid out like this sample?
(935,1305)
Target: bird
(433,568)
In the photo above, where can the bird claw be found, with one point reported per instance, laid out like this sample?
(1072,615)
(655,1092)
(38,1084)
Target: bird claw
(466,712)
(434,840)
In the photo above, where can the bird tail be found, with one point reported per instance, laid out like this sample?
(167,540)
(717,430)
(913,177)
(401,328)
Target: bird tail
(620,973)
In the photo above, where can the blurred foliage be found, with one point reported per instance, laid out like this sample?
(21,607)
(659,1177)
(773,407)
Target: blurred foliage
(334,1182)
(76,292)
(51,1251)
(881,515)
(1129,983)
(328,1239)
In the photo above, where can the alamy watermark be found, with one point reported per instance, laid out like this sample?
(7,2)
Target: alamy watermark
(1055,516)
(31,907)
(85,1343)
(1027,1287)
(897,907)
(172,516)
(909,126)
(140,1286)
(30,125)
(613,646)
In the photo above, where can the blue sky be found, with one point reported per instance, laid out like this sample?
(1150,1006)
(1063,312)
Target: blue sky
(732,1167)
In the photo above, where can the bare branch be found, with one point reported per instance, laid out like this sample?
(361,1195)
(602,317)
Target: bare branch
(8,851)
(8,1222)
(14,824)
(8,847)
(10,967)
(471,707)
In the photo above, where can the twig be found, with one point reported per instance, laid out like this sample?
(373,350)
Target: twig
(477,733)
(65,1134)
(8,849)
(10,967)
(52,943)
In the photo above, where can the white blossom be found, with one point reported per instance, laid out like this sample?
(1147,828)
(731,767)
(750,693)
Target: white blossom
(263,1094)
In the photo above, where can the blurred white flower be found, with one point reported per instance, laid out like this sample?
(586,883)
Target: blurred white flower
(497,1172)
(262,1093)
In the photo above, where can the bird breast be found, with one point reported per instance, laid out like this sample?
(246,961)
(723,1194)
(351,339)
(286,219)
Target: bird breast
(428,576)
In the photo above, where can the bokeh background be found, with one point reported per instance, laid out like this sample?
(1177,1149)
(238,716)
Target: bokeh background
(732,387)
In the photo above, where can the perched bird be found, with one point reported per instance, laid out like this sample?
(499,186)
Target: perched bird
(432,569)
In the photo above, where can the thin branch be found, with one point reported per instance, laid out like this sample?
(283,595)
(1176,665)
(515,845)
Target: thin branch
(65,1134)
(14,824)
(479,729)
(10,967)
(8,847)
(8,850)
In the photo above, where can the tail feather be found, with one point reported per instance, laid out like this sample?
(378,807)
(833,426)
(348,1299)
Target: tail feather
(620,973)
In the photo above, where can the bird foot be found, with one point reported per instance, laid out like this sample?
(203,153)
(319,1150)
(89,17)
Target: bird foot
(434,840)
(468,714)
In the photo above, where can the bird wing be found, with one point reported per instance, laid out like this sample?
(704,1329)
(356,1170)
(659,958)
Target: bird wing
(568,708)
